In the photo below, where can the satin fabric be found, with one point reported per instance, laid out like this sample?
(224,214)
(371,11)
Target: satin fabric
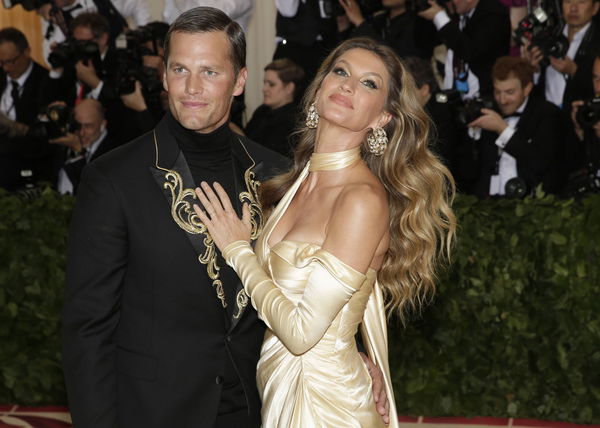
(310,373)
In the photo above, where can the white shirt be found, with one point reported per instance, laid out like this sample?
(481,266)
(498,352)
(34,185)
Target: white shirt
(64,185)
(238,10)
(439,20)
(137,11)
(57,36)
(507,165)
(6,103)
(288,8)
(556,81)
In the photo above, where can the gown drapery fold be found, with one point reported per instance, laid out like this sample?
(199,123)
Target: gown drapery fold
(310,373)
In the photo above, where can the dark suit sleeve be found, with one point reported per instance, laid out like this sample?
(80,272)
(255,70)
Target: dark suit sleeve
(96,264)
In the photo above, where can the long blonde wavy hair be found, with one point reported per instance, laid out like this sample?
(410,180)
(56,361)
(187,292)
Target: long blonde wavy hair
(420,188)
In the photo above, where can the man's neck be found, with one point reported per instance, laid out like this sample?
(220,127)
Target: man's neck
(397,11)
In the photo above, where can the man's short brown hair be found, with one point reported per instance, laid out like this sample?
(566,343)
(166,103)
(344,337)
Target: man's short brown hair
(507,67)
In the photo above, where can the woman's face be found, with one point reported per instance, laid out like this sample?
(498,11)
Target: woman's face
(276,93)
(354,92)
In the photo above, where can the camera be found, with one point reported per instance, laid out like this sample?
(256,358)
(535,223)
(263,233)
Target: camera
(539,29)
(26,4)
(464,111)
(131,48)
(589,113)
(56,121)
(68,53)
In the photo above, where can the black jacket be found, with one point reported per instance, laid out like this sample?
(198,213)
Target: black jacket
(145,337)
(579,86)
(536,145)
(485,38)
(408,34)
(26,152)
(272,128)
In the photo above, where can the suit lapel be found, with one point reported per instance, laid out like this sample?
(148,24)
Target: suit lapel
(174,178)
(246,187)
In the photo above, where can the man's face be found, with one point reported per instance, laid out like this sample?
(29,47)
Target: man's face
(14,63)
(63,3)
(85,33)
(510,94)
(464,6)
(393,3)
(200,80)
(578,13)
(90,121)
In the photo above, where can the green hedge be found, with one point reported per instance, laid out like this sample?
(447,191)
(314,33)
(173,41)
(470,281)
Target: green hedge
(514,329)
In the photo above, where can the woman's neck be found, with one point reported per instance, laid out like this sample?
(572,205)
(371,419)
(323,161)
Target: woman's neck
(331,138)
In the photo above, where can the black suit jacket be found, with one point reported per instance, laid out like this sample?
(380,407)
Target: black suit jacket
(121,120)
(579,86)
(145,337)
(536,145)
(26,152)
(75,169)
(485,38)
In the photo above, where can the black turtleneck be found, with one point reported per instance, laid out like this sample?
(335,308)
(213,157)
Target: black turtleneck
(208,155)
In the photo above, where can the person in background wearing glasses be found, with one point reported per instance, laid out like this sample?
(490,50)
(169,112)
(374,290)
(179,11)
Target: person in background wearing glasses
(21,97)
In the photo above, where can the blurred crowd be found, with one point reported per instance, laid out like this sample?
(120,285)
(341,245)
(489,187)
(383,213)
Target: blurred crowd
(512,86)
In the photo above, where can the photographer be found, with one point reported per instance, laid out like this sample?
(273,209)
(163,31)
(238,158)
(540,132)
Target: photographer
(586,141)
(566,79)
(521,144)
(476,34)
(88,142)
(447,134)
(397,26)
(87,71)
(21,83)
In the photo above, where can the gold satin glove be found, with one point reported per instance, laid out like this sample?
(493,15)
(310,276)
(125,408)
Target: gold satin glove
(329,286)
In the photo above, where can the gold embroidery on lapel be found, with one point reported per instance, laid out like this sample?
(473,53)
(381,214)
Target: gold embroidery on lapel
(256,217)
(186,218)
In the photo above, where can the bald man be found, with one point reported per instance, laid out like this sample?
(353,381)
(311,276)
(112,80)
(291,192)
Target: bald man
(88,142)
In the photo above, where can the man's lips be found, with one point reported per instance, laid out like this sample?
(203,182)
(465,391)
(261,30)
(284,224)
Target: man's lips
(193,104)
(341,100)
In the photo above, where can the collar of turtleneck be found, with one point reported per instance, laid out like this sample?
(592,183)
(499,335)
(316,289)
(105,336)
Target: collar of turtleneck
(202,150)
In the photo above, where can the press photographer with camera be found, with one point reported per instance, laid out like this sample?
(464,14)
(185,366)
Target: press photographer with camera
(566,79)
(585,115)
(520,145)
(476,33)
(397,25)
(82,145)
(84,67)
(21,90)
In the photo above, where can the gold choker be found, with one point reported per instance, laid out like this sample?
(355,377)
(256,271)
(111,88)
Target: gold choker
(333,161)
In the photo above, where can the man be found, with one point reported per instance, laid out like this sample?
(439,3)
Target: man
(585,143)
(86,80)
(87,143)
(476,35)
(398,27)
(567,79)
(21,99)
(523,141)
(158,331)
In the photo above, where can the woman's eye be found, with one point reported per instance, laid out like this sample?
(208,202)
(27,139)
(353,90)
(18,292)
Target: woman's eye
(340,71)
(370,84)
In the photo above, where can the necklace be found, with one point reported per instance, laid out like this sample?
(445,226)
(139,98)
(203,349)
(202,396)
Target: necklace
(333,161)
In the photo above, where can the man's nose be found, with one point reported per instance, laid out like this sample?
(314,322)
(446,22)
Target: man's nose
(193,84)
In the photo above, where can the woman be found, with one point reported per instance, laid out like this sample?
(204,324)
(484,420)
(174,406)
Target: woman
(273,122)
(361,214)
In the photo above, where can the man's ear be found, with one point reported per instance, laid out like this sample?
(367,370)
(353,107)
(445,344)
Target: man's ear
(164,78)
(290,87)
(528,88)
(240,82)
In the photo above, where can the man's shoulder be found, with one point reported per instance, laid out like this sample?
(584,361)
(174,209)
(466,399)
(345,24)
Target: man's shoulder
(261,154)
(136,153)
(491,7)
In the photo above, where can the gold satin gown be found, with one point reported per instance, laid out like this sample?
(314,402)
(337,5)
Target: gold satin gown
(310,373)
